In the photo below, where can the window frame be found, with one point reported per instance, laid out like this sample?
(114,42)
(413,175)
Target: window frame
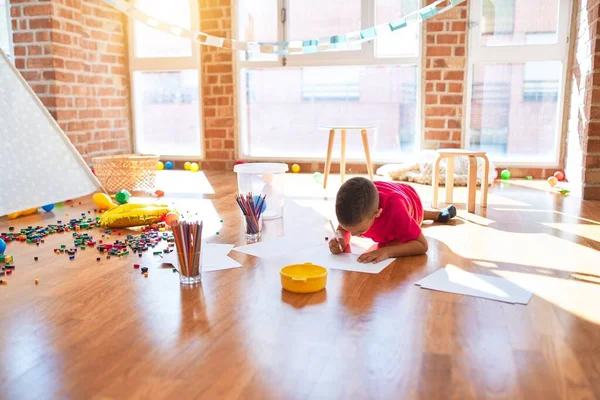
(516,54)
(366,56)
(9,32)
(167,64)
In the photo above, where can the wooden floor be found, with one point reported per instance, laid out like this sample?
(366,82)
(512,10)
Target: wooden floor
(101,331)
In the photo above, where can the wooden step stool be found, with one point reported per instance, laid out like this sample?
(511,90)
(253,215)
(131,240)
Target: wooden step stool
(472,181)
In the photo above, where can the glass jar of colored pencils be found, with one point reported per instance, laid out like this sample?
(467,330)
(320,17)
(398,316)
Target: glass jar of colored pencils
(252,208)
(188,247)
(190,268)
(253,229)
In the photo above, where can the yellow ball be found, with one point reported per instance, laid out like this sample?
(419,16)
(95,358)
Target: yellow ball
(295,168)
(187,165)
(194,167)
(160,166)
(552,181)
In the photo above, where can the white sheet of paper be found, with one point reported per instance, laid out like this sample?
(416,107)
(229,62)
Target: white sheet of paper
(455,280)
(361,245)
(273,248)
(321,255)
(214,257)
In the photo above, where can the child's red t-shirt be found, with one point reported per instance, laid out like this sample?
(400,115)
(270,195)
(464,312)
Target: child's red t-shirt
(401,216)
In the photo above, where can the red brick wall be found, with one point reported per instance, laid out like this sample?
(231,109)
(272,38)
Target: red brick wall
(583,137)
(444,66)
(218,88)
(73,54)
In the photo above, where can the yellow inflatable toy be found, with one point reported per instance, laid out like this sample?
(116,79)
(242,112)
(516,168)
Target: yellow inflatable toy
(128,215)
(103,201)
(22,213)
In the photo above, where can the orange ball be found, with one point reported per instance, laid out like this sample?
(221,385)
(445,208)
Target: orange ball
(171,218)
(552,181)
(559,175)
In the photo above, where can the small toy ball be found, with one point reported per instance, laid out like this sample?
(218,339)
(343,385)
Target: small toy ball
(122,196)
(295,168)
(559,175)
(264,205)
(103,201)
(171,218)
(169,165)
(36,281)
(194,167)
(318,177)
(187,165)
(159,193)
(505,174)
(160,166)
(48,207)
(552,181)
(240,162)
(2,246)
(529,177)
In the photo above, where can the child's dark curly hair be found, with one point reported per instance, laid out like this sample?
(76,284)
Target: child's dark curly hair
(356,200)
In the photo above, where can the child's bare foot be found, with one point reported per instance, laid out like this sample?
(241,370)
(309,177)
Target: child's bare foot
(447,213)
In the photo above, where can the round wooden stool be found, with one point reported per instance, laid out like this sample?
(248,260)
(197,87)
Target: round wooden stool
(471,183)
(363,132)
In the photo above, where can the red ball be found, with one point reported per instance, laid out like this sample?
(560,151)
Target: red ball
(240,162)
(559,175)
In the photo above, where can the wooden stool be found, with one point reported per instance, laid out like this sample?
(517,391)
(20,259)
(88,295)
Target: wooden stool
(471,183)
(343,129)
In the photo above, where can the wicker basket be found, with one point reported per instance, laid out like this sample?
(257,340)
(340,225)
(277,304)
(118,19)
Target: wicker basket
(134,172)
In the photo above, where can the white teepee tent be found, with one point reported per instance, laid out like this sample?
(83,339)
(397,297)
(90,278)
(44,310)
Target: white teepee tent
(39,165)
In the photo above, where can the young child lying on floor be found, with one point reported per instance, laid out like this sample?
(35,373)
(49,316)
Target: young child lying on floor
(389,213)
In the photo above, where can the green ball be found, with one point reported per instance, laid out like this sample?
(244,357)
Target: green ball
(505,174)
(122,196)
(318,177)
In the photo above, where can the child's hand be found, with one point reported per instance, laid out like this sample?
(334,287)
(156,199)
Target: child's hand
(374,256)
(334,245)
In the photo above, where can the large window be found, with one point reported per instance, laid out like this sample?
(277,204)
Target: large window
(165,72)
(5,31)
(517,69)
(284,100)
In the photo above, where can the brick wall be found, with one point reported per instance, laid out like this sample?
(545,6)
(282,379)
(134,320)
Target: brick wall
(444,67)
(73,54)
(218,88)
(583,136)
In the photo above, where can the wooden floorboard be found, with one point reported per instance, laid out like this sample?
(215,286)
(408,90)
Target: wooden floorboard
(100,330)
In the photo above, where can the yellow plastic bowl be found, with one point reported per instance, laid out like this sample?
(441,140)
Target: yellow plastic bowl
(303,278)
